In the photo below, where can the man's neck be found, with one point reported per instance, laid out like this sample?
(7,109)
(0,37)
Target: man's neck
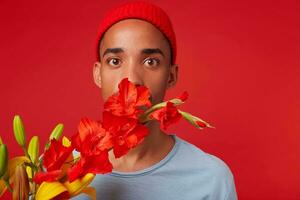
(153,149)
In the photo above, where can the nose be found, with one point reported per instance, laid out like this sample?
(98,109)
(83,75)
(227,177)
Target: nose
(134,74)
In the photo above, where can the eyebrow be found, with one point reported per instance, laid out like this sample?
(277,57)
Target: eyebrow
(152,51)
(147,51)
(113,50)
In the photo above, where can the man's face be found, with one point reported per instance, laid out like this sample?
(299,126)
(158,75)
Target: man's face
(137,50)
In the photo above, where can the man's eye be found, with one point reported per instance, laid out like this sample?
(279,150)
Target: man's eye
(114,62)
(152,62)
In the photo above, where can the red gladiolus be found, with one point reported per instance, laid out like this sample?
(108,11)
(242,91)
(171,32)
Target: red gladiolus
(95,163)
(93,142)
(54,158)
(56,155)
(123,143)
(128,100)
(91,137)
(126,132)
(166,115)
(50,176)
(183,97)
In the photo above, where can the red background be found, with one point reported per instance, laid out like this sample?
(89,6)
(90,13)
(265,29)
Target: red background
(239,61)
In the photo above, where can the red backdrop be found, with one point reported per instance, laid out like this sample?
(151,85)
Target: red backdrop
(238,60)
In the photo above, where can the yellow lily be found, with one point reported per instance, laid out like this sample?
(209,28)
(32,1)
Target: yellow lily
(80,185)
(2,187)
(21,183)
(12,164)
(49,190)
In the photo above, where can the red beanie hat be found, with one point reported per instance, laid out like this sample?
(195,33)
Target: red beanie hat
(139,10)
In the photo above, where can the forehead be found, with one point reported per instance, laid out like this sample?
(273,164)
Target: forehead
(134,33)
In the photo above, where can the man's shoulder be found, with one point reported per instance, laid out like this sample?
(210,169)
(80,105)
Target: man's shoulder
(200,160)
(205,171)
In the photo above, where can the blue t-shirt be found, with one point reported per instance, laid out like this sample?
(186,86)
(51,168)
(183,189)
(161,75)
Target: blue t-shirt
(186,173)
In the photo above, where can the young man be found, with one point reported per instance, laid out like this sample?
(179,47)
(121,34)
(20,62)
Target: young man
(136,40)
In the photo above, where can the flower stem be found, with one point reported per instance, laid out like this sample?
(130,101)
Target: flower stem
(8,185)
(26,153)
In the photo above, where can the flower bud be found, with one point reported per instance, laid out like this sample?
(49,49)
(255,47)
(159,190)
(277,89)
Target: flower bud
(57,131)
(3,159)
(33,149)
(56,134)
(21,184)
(195,121)
(19,130)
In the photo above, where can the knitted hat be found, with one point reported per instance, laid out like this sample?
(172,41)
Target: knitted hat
(139,10)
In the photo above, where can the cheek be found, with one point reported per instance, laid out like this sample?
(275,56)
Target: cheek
(157,87)
(109,84)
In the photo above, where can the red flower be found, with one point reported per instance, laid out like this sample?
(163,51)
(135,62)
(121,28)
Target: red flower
(93,143)
(50,176)
(56,155)
(94,163)
(166,115)
(128,100)
(126,132)
(183,97)
(91,137)
(54,158)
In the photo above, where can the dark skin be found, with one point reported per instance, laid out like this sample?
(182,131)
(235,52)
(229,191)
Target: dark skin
(136,49)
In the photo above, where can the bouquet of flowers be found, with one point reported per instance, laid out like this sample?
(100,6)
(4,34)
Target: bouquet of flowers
(58,174)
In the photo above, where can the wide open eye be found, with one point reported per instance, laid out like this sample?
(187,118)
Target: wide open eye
(151,62)
(114,62)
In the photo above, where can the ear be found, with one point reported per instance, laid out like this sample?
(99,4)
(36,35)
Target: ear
(97,73)
(173,76)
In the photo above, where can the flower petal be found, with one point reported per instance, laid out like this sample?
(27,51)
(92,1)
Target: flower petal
(56,155)
(183,97)
(166,115)
(14,162)
(143,96)
(76,187)
(94,163)
(49,190)
(2,187)
(50,176)
(66,142)
(128,99)
(90,191)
